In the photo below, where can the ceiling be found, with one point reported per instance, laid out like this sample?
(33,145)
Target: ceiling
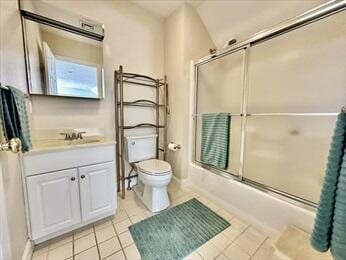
(240,19)
(163,8)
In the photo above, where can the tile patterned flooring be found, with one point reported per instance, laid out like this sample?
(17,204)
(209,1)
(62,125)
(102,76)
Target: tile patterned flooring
(110,239)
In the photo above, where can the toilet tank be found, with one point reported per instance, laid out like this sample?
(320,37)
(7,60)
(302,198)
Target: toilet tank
(140,147)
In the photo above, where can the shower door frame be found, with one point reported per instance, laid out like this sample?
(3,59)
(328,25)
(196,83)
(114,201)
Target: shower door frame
(242,113)
(318,13)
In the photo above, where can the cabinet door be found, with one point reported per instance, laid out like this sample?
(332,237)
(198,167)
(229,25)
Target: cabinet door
(53,202)
(97,189)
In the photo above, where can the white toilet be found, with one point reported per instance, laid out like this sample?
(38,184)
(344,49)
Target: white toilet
(154,174)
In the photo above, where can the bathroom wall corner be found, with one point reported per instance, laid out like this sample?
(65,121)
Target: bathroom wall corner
(186,39)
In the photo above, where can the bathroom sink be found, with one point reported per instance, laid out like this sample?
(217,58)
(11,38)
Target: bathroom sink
(84,141)
(63,143)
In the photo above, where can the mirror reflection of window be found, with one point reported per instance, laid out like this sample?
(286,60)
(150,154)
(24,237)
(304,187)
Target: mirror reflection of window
(77,79)
(62,63)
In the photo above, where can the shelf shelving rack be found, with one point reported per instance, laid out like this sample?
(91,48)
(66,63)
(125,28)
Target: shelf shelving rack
(121,78)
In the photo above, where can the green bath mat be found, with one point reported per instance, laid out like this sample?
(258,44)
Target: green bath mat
(176,232)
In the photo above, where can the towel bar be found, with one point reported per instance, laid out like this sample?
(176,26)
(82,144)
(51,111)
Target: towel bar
(14,145)
(199,115)
(5,87)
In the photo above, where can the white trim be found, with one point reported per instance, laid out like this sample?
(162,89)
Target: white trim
(5,244)
(180,183)
(28,250)
(191,112)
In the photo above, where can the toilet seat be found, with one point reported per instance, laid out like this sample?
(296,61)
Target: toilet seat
(154,167)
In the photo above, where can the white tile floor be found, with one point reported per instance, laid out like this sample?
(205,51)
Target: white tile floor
(110,238)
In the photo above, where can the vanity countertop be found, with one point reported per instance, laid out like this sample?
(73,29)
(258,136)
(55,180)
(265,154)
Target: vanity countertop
(51,145)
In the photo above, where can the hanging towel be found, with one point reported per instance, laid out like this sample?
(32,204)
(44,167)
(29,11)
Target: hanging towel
(330,224)
(14,116)
(215,139)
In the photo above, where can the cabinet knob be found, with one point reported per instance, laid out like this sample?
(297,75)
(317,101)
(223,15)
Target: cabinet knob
(73,178)
(82,176)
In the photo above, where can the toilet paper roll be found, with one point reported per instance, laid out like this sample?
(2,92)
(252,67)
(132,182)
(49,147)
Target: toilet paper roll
(173,147)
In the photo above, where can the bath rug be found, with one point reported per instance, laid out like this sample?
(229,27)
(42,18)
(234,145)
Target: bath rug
(176,232)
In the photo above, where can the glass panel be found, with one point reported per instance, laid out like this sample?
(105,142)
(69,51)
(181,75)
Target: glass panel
(220,90)
(220,84)
(234,144)
(300,71)
(288,153)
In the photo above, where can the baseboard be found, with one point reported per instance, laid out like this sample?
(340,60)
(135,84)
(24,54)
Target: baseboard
(181,183)
(28,250)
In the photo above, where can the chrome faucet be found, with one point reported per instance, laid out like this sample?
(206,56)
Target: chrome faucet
(73,136)
(79,135)
(67,136)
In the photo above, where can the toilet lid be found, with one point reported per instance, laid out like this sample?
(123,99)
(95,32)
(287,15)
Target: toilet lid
(154,167)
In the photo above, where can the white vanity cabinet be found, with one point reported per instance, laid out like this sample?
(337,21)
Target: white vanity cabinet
(54,202)
(68,188)
(97,191)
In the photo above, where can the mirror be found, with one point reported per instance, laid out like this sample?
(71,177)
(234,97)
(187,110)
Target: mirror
(61,60)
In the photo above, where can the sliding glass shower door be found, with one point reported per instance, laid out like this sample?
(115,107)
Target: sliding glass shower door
(297,85)
(283,94)
(220,90)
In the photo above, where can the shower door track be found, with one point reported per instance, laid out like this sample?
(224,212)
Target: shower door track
(259,186)
(317,13)
(293,114)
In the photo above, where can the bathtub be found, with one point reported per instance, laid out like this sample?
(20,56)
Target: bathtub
(261,209)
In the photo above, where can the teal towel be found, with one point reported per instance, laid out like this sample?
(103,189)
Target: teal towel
(330,224)
(14,116)
(215,139)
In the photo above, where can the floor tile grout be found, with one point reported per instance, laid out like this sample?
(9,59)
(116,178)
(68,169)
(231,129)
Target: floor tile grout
(117,235)
(260,246)
(73,246)
(132,201)
(97,245)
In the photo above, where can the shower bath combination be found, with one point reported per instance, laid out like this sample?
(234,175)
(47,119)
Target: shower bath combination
(282,119)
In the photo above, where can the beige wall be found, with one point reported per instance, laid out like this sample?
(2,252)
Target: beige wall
(186,38)
(241,19)
(87,50)
(133,38)
(12,72)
